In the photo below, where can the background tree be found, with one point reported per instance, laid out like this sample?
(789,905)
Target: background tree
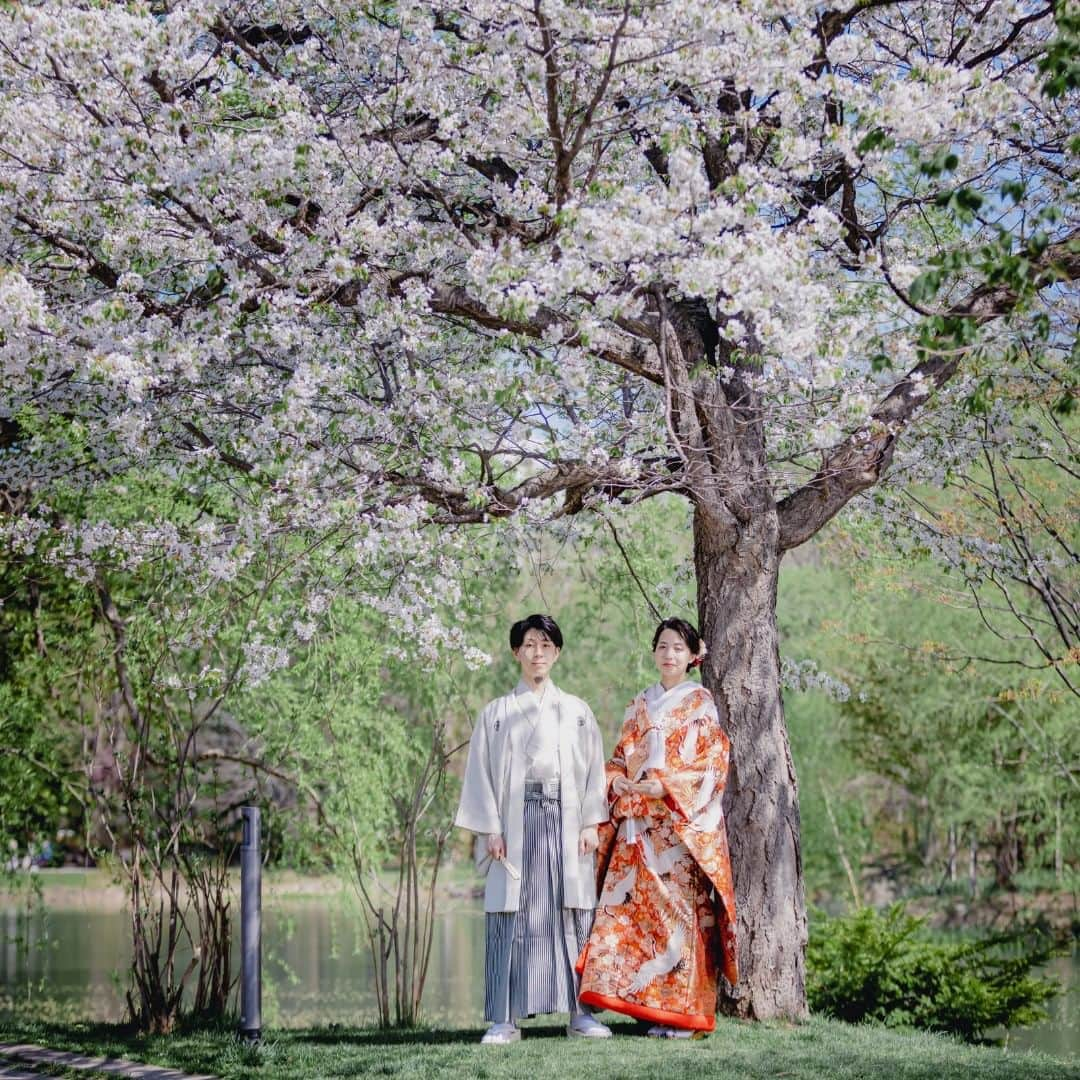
(1003,523)
(40,789)
(951,768)
(115,706)
(366,742)
(393,269)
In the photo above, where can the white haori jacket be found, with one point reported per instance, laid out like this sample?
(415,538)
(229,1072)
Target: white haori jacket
(493,793)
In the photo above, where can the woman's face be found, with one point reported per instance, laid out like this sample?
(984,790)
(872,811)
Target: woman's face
(671,654)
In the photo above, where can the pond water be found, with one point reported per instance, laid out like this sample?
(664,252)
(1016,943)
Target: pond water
(317,968)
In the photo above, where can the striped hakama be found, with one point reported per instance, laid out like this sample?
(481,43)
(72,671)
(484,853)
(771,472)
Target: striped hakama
(530,953)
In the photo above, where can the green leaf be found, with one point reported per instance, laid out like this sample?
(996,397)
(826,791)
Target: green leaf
(978,402)
(878,139)
(1013,189)
(925,286)
(943,161)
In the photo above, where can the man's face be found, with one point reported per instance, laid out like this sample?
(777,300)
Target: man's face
(536,655)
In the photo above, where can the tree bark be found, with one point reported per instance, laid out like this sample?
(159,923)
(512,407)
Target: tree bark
(973,864)
(737,612)
(1059,861)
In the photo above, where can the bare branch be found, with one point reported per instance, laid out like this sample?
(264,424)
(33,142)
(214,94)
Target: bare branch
(863,458)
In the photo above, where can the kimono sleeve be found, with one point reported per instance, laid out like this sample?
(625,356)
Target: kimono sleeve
(694,777)
(478,808)
(631,804)
(616,764)
(696,766)
(594,808)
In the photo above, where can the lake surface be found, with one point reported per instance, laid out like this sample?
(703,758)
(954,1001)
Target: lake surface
(317,968)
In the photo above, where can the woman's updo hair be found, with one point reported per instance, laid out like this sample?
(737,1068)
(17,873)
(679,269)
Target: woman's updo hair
(687,631)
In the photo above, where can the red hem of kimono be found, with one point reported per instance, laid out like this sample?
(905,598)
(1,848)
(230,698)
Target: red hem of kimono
(643,1012)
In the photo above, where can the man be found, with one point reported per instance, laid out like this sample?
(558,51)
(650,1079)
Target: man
(534,792)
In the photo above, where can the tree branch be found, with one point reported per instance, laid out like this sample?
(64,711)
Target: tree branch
(632,357)
(862,459)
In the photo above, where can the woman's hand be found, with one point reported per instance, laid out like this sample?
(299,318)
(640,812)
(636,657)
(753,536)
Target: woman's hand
(620,785)
(651,789)
(589,840)
(496,847)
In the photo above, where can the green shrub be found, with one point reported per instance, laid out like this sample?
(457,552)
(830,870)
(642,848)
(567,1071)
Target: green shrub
(880,967)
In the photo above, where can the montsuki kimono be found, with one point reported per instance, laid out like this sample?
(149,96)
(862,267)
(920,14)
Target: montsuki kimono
(665,920)
(536,776)
(493,794)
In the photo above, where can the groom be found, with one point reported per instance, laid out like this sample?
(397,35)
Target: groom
(534,792)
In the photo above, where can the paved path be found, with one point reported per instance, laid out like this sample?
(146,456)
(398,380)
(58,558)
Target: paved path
(17,1061)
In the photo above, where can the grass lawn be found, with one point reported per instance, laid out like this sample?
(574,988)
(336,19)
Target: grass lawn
(820,1048)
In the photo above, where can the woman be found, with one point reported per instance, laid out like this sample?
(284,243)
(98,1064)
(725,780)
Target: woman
(665,920)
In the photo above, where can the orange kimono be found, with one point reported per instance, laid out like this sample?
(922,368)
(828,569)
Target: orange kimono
(665,919)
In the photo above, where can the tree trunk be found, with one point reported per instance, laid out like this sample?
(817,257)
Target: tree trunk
(1059,861)
(973,864)
(737,612)
(1005,851)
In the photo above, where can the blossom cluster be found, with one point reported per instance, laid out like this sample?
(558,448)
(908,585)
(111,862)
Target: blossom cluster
(369,274)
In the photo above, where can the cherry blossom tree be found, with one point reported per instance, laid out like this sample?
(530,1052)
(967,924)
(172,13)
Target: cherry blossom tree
(399,274)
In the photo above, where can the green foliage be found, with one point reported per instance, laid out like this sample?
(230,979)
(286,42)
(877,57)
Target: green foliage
(326,724)
(1060,64)
(969,754)
(32,803)
(943,160)
(930,743)
(876,139)
(40,785)
(816,605)
(878,967)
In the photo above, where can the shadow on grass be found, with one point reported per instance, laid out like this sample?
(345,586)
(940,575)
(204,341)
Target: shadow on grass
(189,1048)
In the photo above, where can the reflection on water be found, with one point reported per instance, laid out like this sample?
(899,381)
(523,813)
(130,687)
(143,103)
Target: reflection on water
(1060,1035)
(317,968)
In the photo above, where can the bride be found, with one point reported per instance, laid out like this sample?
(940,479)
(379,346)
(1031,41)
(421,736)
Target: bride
(665,920)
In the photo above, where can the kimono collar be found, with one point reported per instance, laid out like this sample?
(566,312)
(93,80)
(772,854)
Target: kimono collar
(550,696)
(530,706)
(658,700)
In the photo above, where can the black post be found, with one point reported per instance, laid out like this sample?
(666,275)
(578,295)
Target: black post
(251,926)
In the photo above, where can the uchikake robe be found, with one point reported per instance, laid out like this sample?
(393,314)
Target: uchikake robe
(665,919)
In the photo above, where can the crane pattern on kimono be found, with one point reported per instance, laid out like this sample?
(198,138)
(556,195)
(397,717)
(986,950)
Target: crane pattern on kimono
(661,964)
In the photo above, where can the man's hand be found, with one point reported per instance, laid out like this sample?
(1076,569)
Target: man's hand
(589,840)
(496,847)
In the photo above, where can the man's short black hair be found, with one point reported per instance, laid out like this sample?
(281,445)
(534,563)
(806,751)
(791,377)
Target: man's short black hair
(544,623)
